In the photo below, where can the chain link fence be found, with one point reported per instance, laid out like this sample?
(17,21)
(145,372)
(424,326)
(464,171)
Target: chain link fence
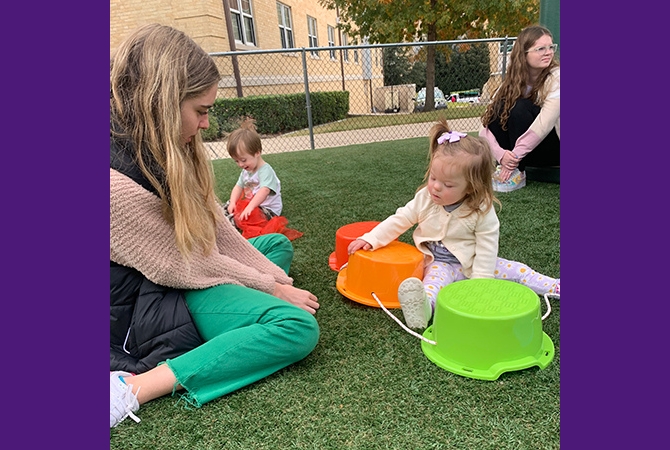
(386,85)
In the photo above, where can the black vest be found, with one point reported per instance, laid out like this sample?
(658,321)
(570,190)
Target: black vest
(148,323)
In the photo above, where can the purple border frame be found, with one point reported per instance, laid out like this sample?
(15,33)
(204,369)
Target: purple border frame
(55,229)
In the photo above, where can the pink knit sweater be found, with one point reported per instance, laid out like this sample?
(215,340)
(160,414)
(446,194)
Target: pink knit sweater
(140,238)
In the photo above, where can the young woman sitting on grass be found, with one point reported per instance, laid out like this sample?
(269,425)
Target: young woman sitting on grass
(194,305)
(522,124)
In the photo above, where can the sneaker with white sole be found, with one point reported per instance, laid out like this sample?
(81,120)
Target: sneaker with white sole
(517,180)
(122,401)
(414,302)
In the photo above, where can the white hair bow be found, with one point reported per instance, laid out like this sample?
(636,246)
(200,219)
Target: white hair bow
(453,136)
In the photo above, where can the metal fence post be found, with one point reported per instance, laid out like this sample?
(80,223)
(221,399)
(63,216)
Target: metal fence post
(307,100)
(231,39)
(550,17)
(504,61)
(366,62)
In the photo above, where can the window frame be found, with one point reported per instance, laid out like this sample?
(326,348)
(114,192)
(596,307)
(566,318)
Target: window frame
(244,20)
(285,31)
(345,52)
(331,42)
(312,35)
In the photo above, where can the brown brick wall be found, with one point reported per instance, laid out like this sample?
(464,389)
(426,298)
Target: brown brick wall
(203,20)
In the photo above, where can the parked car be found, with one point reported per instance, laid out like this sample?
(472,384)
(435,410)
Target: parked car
(420,100)
(471,96)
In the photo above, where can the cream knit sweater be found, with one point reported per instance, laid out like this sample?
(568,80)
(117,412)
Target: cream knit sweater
(472,239)
(140,238)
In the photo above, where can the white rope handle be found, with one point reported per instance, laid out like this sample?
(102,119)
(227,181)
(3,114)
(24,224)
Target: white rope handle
(413,333)
(546,299)
(423,338)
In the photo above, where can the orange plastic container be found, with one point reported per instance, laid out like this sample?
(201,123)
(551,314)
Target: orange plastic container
(380,271)
(343,237)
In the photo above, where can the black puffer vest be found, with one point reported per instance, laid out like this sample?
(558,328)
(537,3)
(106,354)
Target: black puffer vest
(148,323)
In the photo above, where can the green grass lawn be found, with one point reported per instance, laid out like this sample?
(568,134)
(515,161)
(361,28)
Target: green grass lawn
(368,385)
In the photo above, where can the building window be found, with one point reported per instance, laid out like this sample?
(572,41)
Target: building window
(345,42)
(331,41)
(311,34)
(243,21)
(285,25)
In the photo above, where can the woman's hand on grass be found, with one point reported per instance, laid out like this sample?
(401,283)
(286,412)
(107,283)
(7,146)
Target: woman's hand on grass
(299,297)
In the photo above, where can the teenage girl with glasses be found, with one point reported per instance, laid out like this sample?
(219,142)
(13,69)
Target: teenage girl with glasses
(522,123)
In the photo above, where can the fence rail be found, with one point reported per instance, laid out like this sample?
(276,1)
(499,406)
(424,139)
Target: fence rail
(377,112)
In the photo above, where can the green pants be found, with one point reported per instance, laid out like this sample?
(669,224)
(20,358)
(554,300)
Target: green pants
(248,334)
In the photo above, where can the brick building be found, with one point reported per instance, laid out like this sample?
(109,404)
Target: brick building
(263,25)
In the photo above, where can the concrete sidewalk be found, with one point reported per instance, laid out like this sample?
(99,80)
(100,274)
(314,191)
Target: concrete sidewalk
(288,143)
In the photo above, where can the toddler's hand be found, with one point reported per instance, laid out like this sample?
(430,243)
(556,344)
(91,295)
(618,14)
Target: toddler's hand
(231,208)
(245,213)
(357,245)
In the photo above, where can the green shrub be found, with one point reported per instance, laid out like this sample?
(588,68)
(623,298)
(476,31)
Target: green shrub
(228,126)
(213,132)
(329,106)
(281,113)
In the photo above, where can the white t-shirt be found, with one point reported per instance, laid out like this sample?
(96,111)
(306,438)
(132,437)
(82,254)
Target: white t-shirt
(265,176)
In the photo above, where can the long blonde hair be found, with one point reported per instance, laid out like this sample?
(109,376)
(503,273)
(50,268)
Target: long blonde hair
(517,79)
(475,160)
(152,72)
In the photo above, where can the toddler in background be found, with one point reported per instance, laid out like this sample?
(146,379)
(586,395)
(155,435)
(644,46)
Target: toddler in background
(258,185)
(457,228)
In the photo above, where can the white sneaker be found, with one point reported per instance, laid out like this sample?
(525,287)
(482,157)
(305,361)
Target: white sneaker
(517,180)
(122,401)
(414,302)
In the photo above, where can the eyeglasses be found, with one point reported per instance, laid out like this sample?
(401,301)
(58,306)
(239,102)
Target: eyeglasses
(544,49)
